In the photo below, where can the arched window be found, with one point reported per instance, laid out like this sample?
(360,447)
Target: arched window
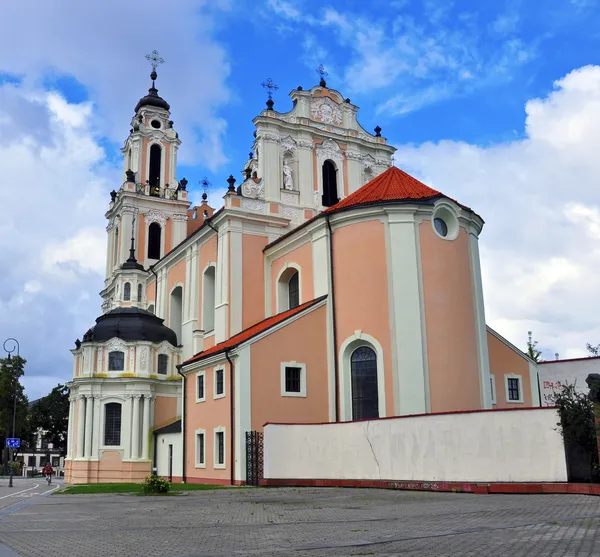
(208,300)
(116,361)
(129,160)
(151,308)
(127,292)
(163,364)
(154,233)
(139,296)
(288,289)
(154,170)
(330,193)
(176,307)
(365,398)
(112,423)
(294,291)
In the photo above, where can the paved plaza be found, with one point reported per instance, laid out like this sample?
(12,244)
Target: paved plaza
(301,523)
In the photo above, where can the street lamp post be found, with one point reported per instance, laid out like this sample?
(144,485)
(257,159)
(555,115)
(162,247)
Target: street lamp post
(15,346)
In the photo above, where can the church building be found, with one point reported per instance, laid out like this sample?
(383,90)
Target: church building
(330,286)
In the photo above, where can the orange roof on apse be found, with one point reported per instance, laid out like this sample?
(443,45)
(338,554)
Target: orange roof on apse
(392,185)
(252,331)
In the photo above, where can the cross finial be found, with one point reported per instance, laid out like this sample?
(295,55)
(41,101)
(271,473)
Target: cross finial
(323,74)
(205,184)
(270,86)
(154,59)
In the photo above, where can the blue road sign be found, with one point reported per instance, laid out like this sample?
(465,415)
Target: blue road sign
(13,442)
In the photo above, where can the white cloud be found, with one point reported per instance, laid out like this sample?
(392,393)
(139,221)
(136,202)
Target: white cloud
(52,237)
(430,59)
(102,45)
(539,197)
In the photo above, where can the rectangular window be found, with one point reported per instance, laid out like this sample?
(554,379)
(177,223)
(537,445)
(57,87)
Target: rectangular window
(116,361)
(112,424)
(220,449)
(200,449)
(219,385)
(163,364)
(292,379)
(513,387)
(31,461)
(55,461)
(200,387)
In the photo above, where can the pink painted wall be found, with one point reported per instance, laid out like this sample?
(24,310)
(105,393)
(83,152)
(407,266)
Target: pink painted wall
(207,415)
(165,411)
(361,289)
(450,321)
(504,361)
(168,232)
(253,279)
(304,341)
(302,256)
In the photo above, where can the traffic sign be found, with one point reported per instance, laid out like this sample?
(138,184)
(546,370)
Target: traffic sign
(13,442)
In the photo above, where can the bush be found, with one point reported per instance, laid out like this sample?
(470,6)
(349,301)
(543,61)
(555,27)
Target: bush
(155,484)
(578,428)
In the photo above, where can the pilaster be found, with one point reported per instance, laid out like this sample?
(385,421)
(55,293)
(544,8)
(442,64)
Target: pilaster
(135,428)
(80,425)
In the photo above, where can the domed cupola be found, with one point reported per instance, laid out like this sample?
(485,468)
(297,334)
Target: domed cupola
(153,98)
(130,324)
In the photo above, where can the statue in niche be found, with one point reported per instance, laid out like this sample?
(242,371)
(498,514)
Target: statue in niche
(288,182)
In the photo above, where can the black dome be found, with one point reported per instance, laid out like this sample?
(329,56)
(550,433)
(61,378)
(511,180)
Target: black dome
(130,324)
(152,99)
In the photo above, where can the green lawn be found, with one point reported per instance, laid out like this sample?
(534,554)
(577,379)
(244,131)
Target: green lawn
(130,488)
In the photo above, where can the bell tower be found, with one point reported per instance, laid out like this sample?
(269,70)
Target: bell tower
(147,216)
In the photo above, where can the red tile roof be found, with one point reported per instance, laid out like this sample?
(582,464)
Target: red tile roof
(392,185)
(252,331)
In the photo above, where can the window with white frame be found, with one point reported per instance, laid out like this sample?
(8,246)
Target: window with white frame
(163,364)
(219,448)
(127,292)
(200,448)
(288,289)
(219,383)
(116,360)
(493,388)
(200,387)
(514,388)
(293,379)
(208,299)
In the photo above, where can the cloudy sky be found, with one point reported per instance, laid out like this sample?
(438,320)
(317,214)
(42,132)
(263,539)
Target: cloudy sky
(497,106)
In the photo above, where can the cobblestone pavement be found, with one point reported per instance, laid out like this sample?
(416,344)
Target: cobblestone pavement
(282,522)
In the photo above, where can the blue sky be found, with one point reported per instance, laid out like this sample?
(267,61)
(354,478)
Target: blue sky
(494,103)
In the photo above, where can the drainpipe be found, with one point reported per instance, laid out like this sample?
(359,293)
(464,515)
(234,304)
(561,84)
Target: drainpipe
(231,417)
(335,359)
(183,423)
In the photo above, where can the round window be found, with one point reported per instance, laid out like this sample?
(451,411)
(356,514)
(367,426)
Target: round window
(155,124)
(440,226)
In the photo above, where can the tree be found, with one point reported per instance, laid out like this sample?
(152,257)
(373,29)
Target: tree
(51,414)
(10,387)
(532,351)
(593,350)
(11,370)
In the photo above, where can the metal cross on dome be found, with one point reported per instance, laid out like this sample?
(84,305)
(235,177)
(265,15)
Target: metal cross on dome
(205,185)
(322,73)
(154,59)
(270,86)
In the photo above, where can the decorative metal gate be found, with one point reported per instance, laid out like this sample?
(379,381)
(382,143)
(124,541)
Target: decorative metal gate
(254,457)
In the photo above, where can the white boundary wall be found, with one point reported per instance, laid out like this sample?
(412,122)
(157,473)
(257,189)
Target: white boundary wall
(492,446)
